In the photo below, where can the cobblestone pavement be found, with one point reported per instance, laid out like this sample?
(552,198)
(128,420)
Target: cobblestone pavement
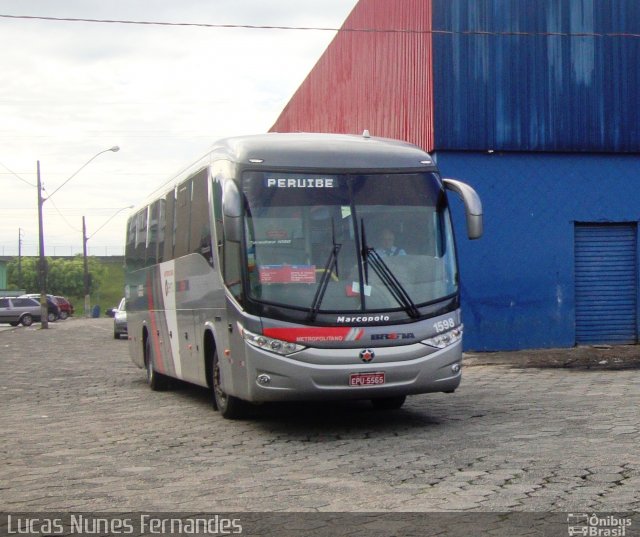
(82,432)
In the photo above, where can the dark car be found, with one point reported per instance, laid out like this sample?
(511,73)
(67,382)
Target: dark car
(19,310)
(120,320)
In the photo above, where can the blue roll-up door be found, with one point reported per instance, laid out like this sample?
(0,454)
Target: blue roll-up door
(606,283)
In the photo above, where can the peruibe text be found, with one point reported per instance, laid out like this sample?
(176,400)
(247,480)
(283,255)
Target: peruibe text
(307,182)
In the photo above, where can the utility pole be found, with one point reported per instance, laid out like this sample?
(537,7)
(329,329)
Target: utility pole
(19,258)
(87,298)
(42,265)
(42,269)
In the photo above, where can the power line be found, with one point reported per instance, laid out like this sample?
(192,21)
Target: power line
(327,29)
(17,176)
(60,212)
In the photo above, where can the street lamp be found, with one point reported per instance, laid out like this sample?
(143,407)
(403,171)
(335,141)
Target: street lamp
(87,298)
(42,268)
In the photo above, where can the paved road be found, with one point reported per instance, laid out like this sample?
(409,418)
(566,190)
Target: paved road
(82,432)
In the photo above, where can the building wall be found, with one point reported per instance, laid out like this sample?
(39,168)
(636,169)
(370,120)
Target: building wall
(532,103)
(518,281)
(375,80)
(525,85)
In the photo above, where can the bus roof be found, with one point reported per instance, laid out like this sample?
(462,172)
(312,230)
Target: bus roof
(305,150)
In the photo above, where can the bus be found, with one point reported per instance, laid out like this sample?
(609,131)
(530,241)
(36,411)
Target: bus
(259,272)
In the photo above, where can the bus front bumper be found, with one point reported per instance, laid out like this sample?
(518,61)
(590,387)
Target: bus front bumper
(271,377)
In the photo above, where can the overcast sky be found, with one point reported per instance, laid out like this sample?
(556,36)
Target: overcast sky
(163,94)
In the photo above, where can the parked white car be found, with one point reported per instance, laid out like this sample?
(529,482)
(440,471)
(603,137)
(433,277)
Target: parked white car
(120,320)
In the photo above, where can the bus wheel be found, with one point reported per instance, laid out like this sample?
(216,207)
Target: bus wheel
(229,406)
(388,403)
(156,381)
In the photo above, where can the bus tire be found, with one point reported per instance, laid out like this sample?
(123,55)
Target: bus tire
(156,381)
(230,407)
(388,403)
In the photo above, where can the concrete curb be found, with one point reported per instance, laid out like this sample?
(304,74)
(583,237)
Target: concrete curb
(600,357)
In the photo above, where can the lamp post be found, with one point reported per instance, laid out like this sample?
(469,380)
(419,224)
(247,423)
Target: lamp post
(85,259)
(42,267)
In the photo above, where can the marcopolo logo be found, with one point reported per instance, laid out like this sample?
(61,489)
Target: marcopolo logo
(593,525)
(362,319)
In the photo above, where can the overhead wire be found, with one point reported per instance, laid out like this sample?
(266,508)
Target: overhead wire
(18,177)
(324,28)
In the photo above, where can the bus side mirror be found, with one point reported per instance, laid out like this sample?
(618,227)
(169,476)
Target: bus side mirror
(472,205)
(232,212)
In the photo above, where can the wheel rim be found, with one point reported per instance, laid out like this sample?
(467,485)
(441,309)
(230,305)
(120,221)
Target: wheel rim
(148,363)
(27,320)
(221,397)
(150,372)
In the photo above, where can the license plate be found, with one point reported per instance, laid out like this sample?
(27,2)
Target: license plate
(366,379)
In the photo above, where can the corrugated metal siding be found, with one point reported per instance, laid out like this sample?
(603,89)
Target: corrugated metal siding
(606,283)
(380,81)
(537,93)
(518,281)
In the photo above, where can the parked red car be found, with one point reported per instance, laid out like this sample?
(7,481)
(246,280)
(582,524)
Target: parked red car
(66,308)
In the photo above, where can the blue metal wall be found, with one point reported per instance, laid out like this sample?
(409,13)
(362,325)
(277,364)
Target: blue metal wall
(536,92)
(518,280)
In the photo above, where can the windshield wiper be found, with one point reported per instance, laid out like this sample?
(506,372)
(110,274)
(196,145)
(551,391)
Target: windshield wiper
(330,265)
(386,275)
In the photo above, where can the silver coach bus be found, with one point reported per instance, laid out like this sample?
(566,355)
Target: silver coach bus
(298,267)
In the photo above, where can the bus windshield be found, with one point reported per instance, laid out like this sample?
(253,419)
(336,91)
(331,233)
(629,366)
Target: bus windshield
(348,242)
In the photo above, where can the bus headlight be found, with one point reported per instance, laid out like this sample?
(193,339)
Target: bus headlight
(269,344)
(444,340)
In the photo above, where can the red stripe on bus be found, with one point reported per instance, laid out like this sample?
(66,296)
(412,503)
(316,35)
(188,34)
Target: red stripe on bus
(310,335)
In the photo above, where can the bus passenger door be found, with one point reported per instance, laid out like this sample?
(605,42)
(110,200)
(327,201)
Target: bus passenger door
(187,345)
(234,369)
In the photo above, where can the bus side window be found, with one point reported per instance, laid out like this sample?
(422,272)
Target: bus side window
(232,271)
(228,252)
(130,248)
(140,247)
(217,215)
(162,224)
(200,227)
(152,235)
(170,227)
(183,219)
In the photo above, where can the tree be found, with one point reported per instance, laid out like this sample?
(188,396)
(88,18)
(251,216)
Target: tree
(65,277)
(29,279)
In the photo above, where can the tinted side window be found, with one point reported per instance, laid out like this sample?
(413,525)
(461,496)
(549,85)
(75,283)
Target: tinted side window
(183,218)
(232,270)
(170,227)
(200,224)
(130,249)
(24,302)
(4,302)
(141,238)
(162,224)
(152,235)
